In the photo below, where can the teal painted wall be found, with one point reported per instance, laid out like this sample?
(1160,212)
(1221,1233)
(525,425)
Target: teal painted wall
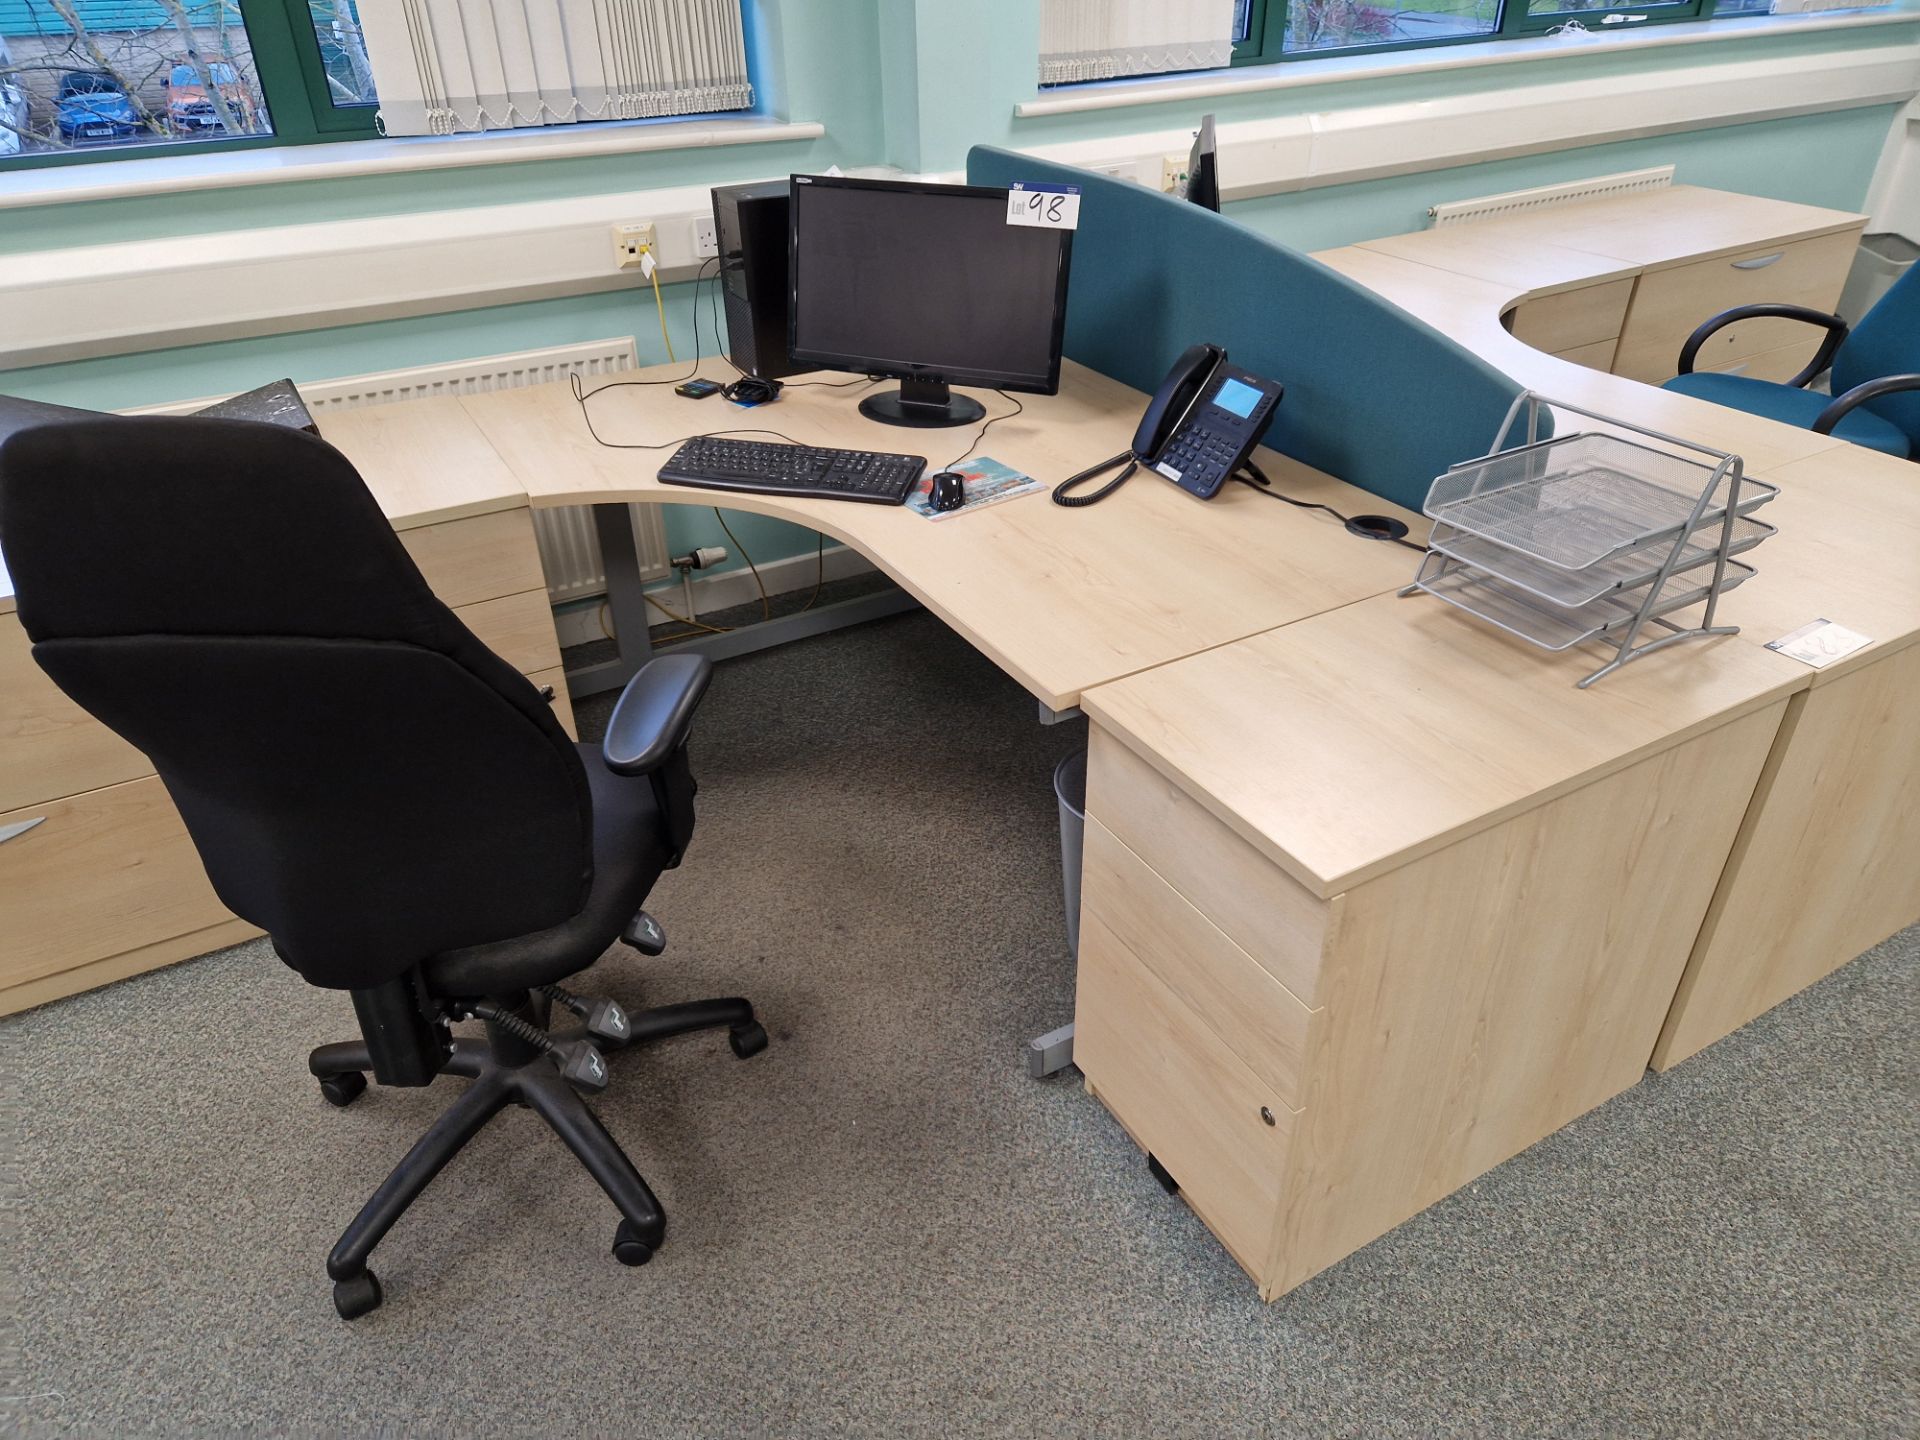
(911,83)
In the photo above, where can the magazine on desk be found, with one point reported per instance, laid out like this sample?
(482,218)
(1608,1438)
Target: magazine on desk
(988,483)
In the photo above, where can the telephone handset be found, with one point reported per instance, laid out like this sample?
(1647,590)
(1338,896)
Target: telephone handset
(1171,402)
(1199,427)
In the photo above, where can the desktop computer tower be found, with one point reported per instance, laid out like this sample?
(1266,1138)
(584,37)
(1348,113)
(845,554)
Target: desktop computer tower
(750,223)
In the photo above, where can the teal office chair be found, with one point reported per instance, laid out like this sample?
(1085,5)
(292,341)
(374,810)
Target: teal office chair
(1876,373)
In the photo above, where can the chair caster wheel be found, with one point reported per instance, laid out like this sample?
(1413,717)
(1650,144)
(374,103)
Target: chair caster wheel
(354,1298)
(748,1039)
(343,1090)
(629,1248)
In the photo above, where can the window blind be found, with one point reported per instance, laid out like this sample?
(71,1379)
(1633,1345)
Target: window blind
(1100,39)
(445,66)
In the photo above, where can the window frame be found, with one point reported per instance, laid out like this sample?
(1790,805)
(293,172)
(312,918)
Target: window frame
(1267,29)
(286,61)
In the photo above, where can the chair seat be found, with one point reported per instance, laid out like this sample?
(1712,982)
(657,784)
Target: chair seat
(1773,401)
(629,855)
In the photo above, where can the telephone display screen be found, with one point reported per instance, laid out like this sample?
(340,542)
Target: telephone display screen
(1236,397)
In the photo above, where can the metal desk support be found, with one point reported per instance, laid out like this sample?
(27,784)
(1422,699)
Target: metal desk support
(1050,1053)
(627,610)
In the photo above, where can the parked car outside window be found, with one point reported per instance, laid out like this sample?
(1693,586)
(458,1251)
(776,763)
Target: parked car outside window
(192,109)
(91,106)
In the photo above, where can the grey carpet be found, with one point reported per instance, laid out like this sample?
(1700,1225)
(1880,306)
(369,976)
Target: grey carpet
(881,1226)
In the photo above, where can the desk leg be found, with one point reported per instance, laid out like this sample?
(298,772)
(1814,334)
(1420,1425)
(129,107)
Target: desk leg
(626,606)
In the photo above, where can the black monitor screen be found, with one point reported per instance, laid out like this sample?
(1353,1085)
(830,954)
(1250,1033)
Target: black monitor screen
(908,279)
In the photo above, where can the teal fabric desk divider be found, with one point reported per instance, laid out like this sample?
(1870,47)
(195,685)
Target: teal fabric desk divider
(1374,396)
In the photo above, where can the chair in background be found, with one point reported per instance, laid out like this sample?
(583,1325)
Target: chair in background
(1876,373)
(364,780)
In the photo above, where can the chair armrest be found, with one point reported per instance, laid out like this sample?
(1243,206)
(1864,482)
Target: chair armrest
(654,713)
(1859,395)
(1835,327)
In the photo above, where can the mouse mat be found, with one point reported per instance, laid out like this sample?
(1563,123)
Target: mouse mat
(988,483)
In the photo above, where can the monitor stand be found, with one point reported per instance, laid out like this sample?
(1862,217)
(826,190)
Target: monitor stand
(925,404)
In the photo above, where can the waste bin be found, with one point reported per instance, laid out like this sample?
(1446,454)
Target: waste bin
(1880,260)
(1070,789)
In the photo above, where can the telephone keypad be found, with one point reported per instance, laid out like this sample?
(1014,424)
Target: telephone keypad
(1210,445)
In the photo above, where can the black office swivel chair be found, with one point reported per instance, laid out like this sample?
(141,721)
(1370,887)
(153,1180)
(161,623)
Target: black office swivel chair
(363,778)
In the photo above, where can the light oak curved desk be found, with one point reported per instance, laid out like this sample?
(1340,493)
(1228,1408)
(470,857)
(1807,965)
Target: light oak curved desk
(1374,897)
(1827,862)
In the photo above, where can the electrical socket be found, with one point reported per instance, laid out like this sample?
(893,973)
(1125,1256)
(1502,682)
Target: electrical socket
(706,243)
(1173,174)
(631,242)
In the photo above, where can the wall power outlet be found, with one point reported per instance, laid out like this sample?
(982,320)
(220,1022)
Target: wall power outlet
(706,242)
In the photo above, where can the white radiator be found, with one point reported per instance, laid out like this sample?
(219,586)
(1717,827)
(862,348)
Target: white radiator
(1543,197)
(569,551)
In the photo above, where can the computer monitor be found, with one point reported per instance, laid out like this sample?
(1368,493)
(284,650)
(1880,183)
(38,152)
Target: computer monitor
(1203,168)
(927,283)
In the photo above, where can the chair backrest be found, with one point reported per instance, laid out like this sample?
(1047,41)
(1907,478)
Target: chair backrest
(1374,395)
(363,778)
(1886,342)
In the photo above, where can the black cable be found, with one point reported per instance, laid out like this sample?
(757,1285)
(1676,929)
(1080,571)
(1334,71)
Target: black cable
(699,277)
(713,310)
(1261,485)
(582,395)
(835,384)
(751,390)
(992,420)
(1063,492)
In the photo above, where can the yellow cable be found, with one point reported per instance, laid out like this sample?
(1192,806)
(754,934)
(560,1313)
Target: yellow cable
(697,624)
(766,605)
(661,305)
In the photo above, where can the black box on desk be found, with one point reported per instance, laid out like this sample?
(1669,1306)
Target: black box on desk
(750,223)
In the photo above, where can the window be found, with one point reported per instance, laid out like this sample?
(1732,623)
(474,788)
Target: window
(106,79)
(1268,30)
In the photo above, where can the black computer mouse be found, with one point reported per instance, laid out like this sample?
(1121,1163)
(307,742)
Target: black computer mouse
(949,490)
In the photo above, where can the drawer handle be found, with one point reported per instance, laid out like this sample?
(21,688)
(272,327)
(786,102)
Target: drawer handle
(1267,1115)
(9,832)
(1758,262)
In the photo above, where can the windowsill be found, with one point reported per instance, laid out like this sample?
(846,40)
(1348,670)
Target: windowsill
(220,170)
(1333,69)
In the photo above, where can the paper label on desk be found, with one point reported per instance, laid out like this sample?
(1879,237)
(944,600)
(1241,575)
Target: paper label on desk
(1049,207)
(1820,643)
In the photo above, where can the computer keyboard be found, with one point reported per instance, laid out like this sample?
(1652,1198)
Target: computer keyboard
(767,467)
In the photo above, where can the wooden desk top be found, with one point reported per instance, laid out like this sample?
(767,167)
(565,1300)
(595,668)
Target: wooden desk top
(1352,742)
(1628,233)
(1060,599)
(1848,551)
(1468,311)
(1849,519)
(425,460)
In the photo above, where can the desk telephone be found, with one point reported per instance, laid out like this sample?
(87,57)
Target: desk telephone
(1199,427)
